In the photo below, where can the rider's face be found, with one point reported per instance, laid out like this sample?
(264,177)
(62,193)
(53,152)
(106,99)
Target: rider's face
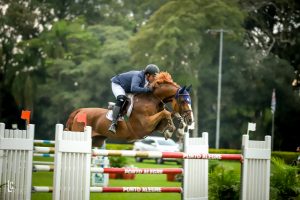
(150,78)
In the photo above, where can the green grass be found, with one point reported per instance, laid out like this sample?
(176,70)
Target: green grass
(159,180)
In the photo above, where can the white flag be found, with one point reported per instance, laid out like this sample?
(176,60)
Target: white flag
(251,126)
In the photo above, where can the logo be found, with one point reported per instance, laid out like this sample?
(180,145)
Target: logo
(10,186)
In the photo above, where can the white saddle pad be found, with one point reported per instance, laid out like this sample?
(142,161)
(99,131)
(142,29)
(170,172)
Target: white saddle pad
(111,104)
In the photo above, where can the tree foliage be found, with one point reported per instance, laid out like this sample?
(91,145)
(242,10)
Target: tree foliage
(79,63)
(273,28)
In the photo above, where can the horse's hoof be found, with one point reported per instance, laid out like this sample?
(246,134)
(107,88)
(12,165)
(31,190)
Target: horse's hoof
(180,132)
(181,125)
(168,134)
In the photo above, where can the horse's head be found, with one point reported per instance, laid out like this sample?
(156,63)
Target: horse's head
(165,89)
(182,104)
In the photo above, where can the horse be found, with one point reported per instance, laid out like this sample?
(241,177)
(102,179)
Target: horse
(149,113)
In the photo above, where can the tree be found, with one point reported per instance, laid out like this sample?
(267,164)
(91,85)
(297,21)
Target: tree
(17,73)
(25,52)
(273,28)
(174,37)
(79,62)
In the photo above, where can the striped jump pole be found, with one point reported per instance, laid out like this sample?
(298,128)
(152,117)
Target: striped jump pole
(43,141)
(156,154)
(40,189)
(118,189)
(42,163)
(46,155)
(43,168)
(50,168)
(137,189)
(38,149)
(138,171)
(43,151)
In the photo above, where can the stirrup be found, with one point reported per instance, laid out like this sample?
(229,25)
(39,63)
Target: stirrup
(112,128)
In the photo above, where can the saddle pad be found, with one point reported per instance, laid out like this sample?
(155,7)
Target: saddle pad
(129,110)
(109,116)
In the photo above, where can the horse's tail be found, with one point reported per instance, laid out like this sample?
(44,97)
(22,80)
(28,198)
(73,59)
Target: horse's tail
(70,120)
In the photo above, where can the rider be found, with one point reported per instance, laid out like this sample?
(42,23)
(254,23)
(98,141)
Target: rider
(130,82)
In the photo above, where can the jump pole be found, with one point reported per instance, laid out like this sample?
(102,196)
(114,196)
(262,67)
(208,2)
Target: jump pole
(118,189)
(157,154)
(50,168)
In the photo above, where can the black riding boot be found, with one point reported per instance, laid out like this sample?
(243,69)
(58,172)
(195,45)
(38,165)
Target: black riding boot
(115,115)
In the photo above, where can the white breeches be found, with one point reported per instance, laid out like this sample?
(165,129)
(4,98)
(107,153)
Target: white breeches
(117,89)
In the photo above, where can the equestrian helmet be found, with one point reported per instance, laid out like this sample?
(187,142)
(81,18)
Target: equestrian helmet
(151,69)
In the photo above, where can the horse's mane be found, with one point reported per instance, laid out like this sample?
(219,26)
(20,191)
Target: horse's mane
(163,77)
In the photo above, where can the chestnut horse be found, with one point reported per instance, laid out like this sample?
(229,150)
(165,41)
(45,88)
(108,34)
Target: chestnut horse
(148,113)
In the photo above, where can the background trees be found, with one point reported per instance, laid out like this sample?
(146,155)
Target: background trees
(176,37)
(60,55)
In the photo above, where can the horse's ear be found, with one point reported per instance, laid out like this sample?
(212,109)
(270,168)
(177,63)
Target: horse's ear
(182,90)
(189,88)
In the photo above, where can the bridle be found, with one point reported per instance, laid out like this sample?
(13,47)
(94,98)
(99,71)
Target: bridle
(186,97)
(177,96)
(183,113)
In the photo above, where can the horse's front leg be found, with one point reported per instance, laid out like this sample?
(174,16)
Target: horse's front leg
(152,121)
(179,124)
(164,128)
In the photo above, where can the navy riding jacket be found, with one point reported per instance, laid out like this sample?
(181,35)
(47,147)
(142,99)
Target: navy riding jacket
(132,81)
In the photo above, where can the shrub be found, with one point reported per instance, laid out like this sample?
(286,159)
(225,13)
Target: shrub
(223,183)
(225,151)
(118,161)
(285,182)
(288,157)
(119,146)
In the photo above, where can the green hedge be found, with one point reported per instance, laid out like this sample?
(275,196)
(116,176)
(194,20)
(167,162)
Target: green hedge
(224,151)
(119,146)
(288,157)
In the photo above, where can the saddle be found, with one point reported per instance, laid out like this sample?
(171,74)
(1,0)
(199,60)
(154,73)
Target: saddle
(126,108)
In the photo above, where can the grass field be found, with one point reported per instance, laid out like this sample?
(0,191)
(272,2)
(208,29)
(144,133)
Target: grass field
(159,180)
